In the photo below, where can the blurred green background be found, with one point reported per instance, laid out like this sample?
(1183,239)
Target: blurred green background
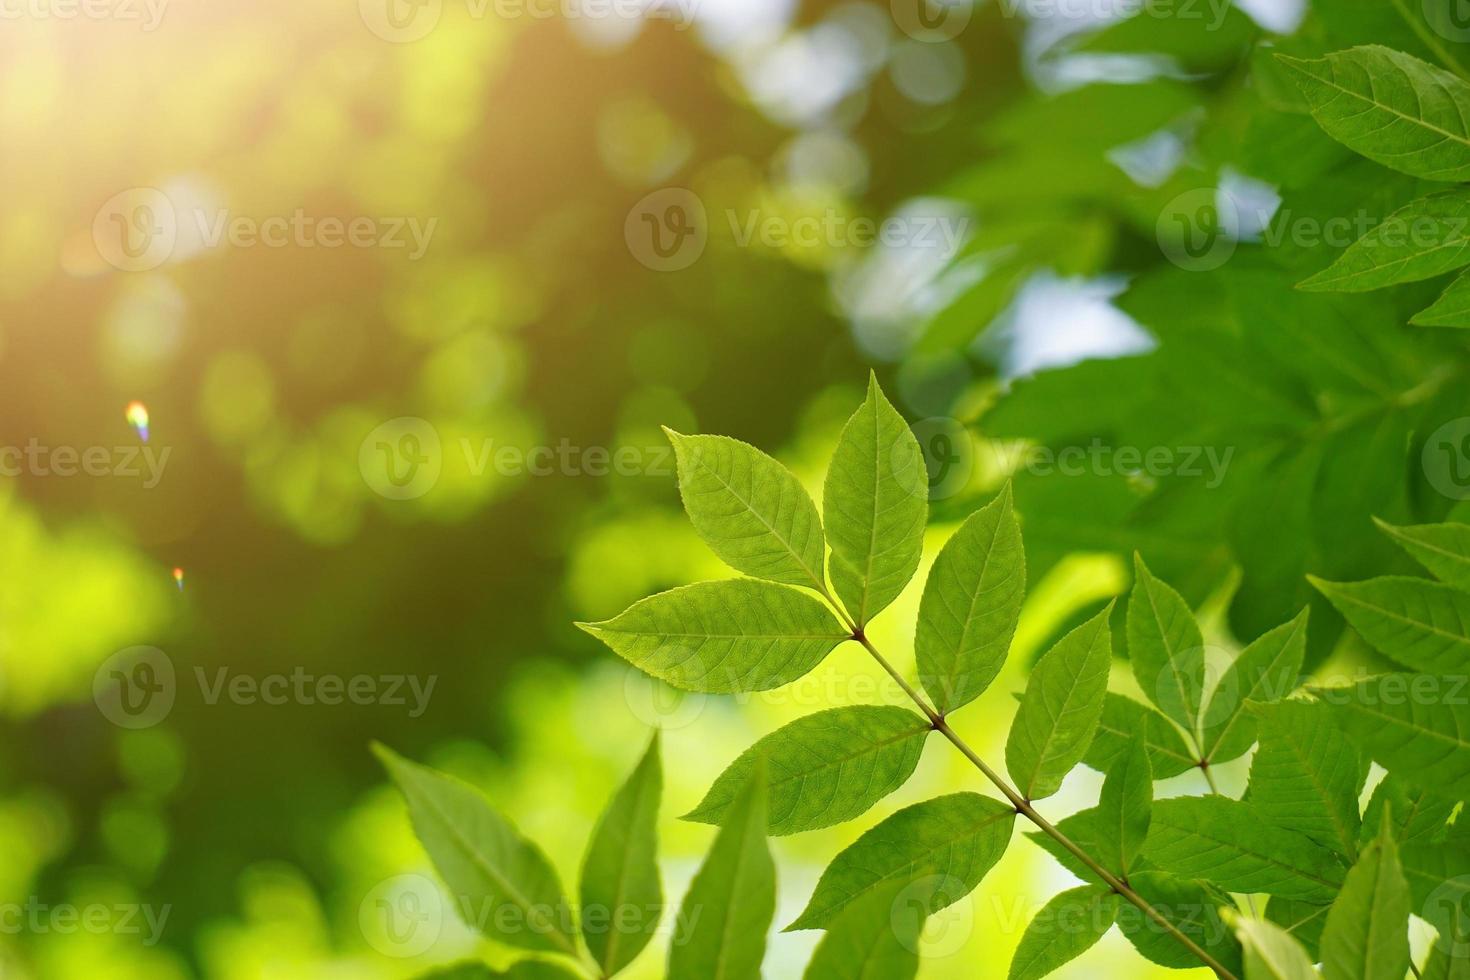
(539,313)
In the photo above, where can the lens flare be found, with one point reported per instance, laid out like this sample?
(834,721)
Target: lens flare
(179,578)
(138,418)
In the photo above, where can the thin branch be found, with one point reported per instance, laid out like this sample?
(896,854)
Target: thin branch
(1024,807)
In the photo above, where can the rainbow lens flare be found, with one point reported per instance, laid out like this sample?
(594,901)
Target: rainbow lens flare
(138,419)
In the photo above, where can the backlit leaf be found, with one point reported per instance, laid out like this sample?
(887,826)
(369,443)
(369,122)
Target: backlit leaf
(1065,928)
(1420,624)
(956,839)
(1060,709)
(750,510)
(825,768)
(723,637)
(970,606)
(874,505)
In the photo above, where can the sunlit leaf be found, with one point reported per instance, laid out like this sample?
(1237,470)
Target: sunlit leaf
(953,839)
(1428,238)
(732,900)
(750,509)
(1271,953)
(1065,928)
(722,637)
(825,768)
(1420,624)
(1127,804)
(1452,309)
(1226,842)
(1444,549)
(1166,648)
(1392,108)
(876,935)
(1305,776)
(1266,670)
(1061,708)
(970,606)
(622,897)
(1122,719)
(1417,726)
(874,505)
(483,858)
(1367,931)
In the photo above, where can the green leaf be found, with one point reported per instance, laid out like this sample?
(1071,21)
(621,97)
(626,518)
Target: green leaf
(1425,239)
(1089,831)
(1439,879)
(1367,931)
(485,862)
(1452,309)
(970,606)
(1417,726)
(461,971)
(1449,957)
(1192,907)
(1418,815)
(1065,928)
(1444,549)
(1127,805)
(1122,718)
(1166,648)
(1266,670)
(877,935)
(1061,709)
(1392,108)
(750,509)
(1271,953)
(825,768)
(724,637)
(1305,776)
(1226,842)
(622,898)
(1415,622)
(958,837)
(875,504)
(1304,920)
(732,900)
(524,970)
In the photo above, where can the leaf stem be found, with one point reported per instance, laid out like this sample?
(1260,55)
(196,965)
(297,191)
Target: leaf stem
(1024,807)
